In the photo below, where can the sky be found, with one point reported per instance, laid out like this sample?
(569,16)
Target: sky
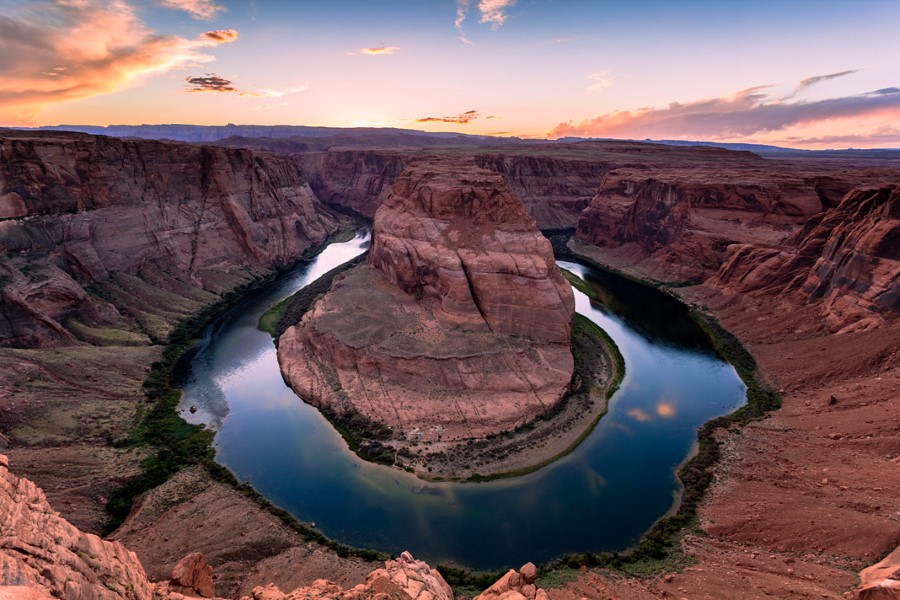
(798,73)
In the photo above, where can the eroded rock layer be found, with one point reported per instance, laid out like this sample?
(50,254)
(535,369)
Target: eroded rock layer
(458,328)
(86,210)
(847,259)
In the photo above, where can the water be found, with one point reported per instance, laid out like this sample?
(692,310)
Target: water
(602,496)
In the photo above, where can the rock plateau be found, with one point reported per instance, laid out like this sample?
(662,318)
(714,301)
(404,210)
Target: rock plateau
(459,326)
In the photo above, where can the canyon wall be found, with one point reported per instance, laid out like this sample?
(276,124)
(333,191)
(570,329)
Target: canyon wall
(847,259)
(89,220)
(553,190)
(458,328)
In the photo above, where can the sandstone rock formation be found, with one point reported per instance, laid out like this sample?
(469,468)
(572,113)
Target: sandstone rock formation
(83,211)
(458,329)
(881,581)
(678,222)
(515,585)
(192,576)
(42,552)
(847,259)
(402,578)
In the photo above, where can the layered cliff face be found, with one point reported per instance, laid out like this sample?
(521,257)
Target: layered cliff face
(91,219)
(355,179)
(678,224)
(458,328)
(553,190)
(846,259)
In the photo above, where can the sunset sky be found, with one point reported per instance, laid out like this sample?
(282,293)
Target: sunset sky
(791,72)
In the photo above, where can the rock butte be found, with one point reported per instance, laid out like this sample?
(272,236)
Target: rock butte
(459,326)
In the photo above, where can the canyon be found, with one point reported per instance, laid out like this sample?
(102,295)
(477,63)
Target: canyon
(108,243)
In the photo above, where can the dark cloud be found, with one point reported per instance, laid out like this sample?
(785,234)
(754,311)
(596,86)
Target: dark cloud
(466,117)
(210,83)
(220,36)
(742,114)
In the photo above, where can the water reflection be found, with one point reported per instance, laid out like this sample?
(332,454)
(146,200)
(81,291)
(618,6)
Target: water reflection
(602,496)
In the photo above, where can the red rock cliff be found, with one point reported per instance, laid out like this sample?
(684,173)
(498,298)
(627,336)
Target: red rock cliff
(847,259)
(82,209)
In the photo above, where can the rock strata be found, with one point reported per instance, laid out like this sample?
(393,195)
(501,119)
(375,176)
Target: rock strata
(458,328)
(81,211)
(846,259)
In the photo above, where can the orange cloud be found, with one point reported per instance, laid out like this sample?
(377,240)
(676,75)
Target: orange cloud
(199,9)
(379,50)
(93,47)
(665,409)
(734,116)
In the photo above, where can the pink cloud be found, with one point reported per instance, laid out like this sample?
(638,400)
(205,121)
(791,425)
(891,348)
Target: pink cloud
(199,9)
(738,115)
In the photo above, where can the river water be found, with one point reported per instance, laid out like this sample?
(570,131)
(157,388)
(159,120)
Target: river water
(602,496)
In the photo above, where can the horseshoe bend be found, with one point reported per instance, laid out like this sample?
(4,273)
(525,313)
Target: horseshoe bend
(457,328)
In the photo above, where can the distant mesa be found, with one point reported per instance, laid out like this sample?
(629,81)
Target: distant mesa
(459,326)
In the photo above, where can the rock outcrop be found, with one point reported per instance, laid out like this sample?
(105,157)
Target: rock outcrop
(458,328)
(82,210)
(881,581)
(515,585)
(41,553)
(402,578)
(847,259)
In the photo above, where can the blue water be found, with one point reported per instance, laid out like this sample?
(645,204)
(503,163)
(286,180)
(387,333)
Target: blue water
(602,496)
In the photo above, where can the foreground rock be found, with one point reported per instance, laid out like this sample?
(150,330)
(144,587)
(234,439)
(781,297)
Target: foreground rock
(881,581)
(402,578)
(460,326)
(42,552)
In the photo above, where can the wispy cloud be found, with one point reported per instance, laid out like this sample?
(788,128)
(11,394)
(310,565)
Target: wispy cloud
(209,83)
(199,9)
(462,8)
(738,115)
(601,81)
(638,415)
(493,12)
(464,118)
(93,48)
(805,83)
(270,93)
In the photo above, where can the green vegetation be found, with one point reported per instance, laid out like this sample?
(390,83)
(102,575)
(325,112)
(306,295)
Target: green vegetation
(106,336)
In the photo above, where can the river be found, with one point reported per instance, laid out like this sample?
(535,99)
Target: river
(602,496)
